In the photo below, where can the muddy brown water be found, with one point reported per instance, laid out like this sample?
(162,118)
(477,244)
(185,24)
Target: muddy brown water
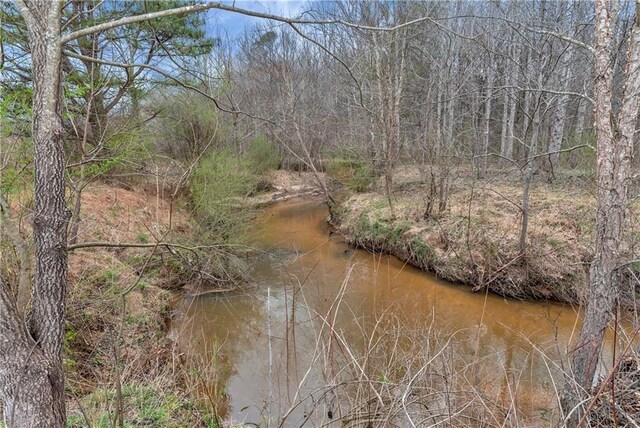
(254,348)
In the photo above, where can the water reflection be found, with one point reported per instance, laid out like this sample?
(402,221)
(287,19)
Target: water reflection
(281,341)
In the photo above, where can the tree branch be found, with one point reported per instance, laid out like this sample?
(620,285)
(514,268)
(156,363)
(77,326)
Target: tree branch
(216,5)
(137,18)
(168,76)
(139,245)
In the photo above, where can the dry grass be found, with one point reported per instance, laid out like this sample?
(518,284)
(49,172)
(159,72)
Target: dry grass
(616,399)
(476,240)
(386,371)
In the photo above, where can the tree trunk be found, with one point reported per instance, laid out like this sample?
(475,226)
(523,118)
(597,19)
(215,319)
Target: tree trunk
(505,115)
(580,118)
(506,149)
(451,120)
(526,109)
(557,125)
(484,151)
(508,146)
(40,399)
(439,143)
(528,176)
(30,397)
(578,131)
(615,151)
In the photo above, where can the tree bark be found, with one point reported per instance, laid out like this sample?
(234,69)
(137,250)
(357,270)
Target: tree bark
(29,395)
(578,132)
(615,151)
(580,118)
(506,149)
(505,112)
(528,174)
(557,125)
(526,109)
(39,399)
(508,146)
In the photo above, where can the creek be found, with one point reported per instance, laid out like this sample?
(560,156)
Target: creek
(260,350)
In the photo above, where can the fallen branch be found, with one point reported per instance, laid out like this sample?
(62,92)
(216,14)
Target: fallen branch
(168,245)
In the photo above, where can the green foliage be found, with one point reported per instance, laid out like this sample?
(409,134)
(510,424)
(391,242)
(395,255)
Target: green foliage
(189,126)
(121,150)
(111,276)
(377,235)
(144,406)
(16,172)
(185,33)
(372,234)
(355,174)
(339,212)
(420,250)
(15,110)
(262,155)
(397,233)
(219,186)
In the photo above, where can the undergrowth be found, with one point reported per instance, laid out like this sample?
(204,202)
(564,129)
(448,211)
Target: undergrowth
(475,241)
(356,175)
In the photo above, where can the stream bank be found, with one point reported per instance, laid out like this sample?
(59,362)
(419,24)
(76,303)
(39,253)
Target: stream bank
(328,324)
(475,241)
(118,305)
(121,300)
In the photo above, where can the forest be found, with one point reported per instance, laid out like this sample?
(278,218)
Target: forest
(324,213)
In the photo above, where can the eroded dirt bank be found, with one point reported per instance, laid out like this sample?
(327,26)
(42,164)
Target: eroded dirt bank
(118,306)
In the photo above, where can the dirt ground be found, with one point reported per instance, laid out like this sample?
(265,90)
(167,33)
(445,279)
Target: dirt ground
(289,184)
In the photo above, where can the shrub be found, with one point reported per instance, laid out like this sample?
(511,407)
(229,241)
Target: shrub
(187,126)
(262,155)
(357,175)
(219,186)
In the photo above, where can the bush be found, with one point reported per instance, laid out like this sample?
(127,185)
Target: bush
(262,155)
(219,186)
(355,174)
(188,124)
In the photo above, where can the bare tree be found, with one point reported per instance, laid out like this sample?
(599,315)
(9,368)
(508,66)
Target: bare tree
(483,153)
(560,114)
(614,133)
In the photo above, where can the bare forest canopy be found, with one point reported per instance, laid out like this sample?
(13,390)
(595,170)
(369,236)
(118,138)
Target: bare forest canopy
(470,80)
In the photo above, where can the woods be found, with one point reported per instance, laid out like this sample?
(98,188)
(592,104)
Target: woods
(504,98)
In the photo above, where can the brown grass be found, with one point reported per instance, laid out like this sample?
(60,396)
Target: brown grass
(475,241)
(118,310)
(389,371)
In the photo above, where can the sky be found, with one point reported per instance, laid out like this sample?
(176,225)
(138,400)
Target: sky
(234,23)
